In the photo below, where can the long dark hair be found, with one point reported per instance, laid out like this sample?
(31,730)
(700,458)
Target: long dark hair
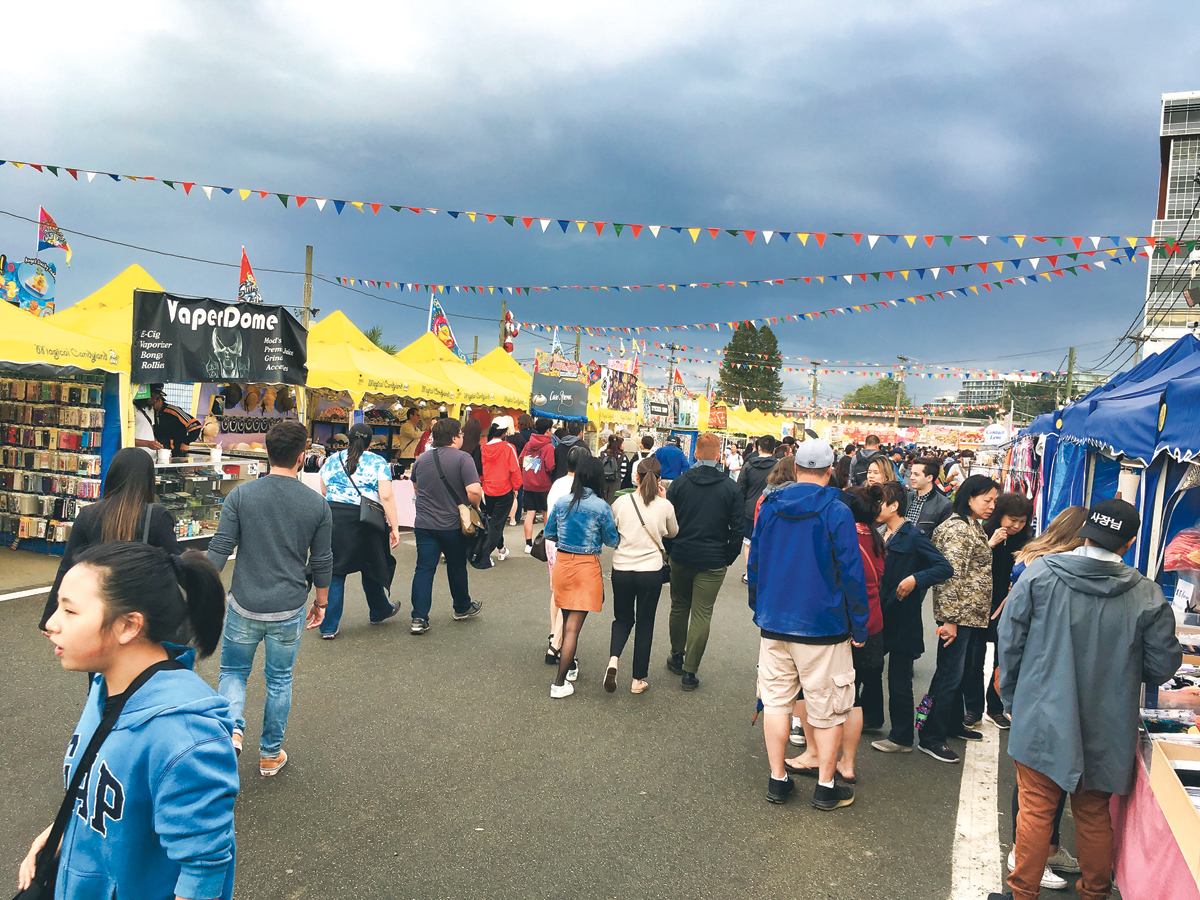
(167,590)
(841,472)
(615,446)
(128,488)
(361,437)
(866,502)
(471,432)
(588,474)
(972,487)
(1015,506)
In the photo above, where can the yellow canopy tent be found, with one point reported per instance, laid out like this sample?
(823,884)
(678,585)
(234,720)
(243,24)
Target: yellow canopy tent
(500,367)
(441,368)
(342,358)
(107,313)
(27,342)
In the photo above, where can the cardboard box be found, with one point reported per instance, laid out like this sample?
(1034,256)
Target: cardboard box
(1182,816)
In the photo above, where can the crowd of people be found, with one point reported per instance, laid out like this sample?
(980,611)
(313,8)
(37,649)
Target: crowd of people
(841,550)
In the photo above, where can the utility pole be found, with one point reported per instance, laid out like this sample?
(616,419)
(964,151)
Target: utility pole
(503,318)
(1070,372)
(814,377)
(899,388)
(475,355)
(671,368)
(306,315)
(578,340)
(708,389)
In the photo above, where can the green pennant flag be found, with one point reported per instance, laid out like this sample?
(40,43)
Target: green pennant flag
(617,226)
(53,170)
(1071,269)
(526,292)
(875,275)
(508,219)
(1058,241)
(1074,257)
(283,198)
(169,184)
(732,231)
(397,208)
(947,238)
(967,267)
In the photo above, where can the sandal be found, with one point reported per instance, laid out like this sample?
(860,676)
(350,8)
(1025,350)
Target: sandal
(807,771)
(552,655)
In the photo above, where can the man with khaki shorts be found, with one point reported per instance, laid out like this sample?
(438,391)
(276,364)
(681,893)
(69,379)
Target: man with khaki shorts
(809,597)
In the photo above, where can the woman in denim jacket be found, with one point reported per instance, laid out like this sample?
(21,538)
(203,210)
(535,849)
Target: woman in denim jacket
(581,525)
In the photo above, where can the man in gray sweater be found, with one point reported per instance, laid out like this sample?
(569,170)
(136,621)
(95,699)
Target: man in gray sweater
(1080,633)
(282,528)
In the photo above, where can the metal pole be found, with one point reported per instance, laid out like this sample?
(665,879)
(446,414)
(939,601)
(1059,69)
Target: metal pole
(306,315)
(1070,372)
(899,388)
(578,340)
(475,354)
(671,368)
(503,317)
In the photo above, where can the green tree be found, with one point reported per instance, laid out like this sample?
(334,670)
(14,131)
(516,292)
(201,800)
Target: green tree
(881,393)
(374,334)
(751,369)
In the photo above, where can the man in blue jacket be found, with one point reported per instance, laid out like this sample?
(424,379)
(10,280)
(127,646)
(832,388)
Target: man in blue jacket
(671,459)
(809,597)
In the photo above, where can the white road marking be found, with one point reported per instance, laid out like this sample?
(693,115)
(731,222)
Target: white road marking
(17,595)
(975,868)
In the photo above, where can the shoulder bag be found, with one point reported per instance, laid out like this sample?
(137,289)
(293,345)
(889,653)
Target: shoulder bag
(370,512)
(46,872)
(539,547)
(468,516)
(666,566)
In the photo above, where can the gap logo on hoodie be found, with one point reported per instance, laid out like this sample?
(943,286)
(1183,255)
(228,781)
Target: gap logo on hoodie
(108,799)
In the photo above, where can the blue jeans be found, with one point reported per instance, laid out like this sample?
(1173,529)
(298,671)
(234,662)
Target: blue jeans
(430,545)
(238,645)
(377,602)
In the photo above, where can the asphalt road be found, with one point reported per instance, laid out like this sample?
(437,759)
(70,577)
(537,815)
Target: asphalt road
(437,766)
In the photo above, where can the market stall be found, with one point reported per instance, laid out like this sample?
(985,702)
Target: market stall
(59,425)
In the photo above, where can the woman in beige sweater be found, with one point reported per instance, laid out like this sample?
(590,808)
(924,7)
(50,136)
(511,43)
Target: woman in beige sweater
(644,518)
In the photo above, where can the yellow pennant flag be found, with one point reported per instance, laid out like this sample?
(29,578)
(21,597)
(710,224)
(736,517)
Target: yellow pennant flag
(1020,239)
(803,239)
(695,233)
(490,289)
(243,193)
(975,289)
(581,224)
(999,266)
(471,216)
(743,284)
(357,204)
(904,272)
(1132,241)
(910,238)
(672,287)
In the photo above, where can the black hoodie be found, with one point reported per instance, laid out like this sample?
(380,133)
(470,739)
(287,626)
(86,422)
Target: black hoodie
(708,507)
(752,480)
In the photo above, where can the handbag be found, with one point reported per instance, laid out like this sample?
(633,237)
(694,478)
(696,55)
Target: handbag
(370,512)
(666,566)
(539,547)
(46,870)
(468,516)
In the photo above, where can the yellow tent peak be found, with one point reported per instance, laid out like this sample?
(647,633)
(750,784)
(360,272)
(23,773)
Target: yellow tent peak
(118,293)
(498,361)
(425,349)
(336,328)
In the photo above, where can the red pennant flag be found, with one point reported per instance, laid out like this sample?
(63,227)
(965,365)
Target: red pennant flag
(375,207)
(714,232)
(74,173)
(1053,260)
(491,217)
(1076,241)
(750,235)
(300,201)
(417,209)
(188,185)
(36,166)
(820,239)
(929,238)
(247,284)
(528,220)
(263,194)
(857,238)
(637,229)
(599,227)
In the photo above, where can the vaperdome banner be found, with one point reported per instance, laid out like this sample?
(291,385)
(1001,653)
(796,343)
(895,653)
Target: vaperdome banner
(188,339)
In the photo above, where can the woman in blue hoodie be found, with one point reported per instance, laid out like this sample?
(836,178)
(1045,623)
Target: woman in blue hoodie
(581,525)
(154,814)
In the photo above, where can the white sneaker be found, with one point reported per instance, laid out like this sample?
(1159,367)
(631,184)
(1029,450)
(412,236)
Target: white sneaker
(503,554)
(573,672)
(557,693)
(1049,879)
(529,548)
(1063,861)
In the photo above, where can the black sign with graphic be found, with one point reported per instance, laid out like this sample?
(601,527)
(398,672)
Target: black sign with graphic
(559,398)
(189,339)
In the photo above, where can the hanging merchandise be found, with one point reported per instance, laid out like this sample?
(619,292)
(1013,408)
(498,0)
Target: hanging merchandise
(580,225)
(178,339)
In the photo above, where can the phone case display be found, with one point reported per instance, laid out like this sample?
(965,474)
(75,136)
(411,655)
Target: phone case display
(194,492)
(50,433)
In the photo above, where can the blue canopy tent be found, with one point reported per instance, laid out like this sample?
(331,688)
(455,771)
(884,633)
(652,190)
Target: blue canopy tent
(1146,418)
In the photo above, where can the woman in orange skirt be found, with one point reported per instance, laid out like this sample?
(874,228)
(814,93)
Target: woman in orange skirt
(580,524)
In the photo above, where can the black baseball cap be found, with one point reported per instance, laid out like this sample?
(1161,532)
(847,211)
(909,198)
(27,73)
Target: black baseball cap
(1111,524)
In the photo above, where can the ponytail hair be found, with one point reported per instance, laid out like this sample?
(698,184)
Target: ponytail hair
(361,437)
(172,593)
(648,472)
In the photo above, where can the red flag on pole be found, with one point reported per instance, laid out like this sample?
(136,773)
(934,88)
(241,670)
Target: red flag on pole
(247,284)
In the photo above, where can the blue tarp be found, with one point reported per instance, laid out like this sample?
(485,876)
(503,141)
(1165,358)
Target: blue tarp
(1181,427)
(1043,424)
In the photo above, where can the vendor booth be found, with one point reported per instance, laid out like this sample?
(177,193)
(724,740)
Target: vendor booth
(1138,437)
(59,425)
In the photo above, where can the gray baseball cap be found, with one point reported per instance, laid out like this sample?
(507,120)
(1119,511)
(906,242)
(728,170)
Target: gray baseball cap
(814,454)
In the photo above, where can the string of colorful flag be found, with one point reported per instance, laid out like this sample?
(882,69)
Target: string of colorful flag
(603,330)
(871,370)
(851,278)
(565,224)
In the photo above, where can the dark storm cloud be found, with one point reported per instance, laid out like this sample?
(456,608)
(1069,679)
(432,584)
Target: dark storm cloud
(930,117)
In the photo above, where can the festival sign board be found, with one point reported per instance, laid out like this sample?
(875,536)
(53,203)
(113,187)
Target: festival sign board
(28,284)
(559,366)
(619,386)
(685,411)
(189,339)
(718,417)
(559,398)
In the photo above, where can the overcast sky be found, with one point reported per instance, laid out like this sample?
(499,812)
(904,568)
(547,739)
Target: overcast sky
(965,118)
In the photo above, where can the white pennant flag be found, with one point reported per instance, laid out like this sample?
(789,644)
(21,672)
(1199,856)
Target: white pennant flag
(1099,263)
(767,236)
(871,239)
(1095,242)
(654,229)
(207,190)
(1034,262)
(544,222)
(935,273)
(91,175)
(321,204)
(982,237)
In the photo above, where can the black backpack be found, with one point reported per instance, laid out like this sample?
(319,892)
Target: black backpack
(612,467)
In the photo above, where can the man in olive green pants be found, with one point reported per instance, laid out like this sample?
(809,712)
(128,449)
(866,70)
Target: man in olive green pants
(708,507)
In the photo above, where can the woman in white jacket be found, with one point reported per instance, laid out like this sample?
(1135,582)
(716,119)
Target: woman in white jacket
(644,518)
